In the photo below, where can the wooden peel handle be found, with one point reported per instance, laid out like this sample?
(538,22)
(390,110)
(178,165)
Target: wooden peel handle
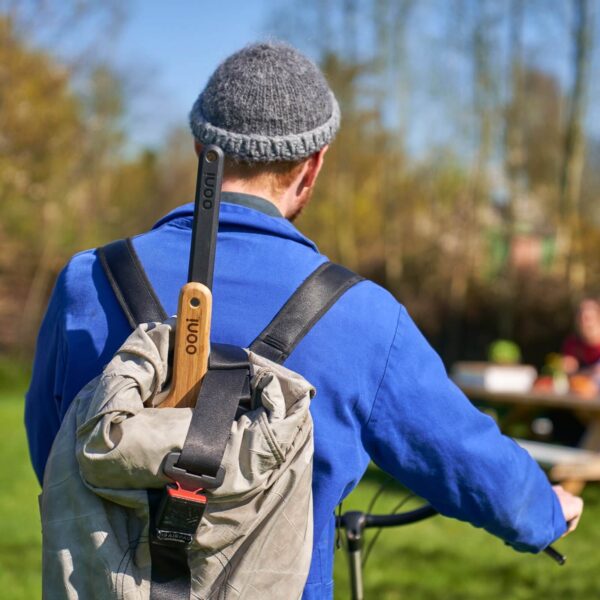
(192,345)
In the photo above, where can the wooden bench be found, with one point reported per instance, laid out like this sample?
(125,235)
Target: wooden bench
(571,466)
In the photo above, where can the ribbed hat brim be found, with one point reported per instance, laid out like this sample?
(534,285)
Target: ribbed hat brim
(261,148)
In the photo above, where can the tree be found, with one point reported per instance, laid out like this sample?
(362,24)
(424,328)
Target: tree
(573,159)
(40,125)
(59,150)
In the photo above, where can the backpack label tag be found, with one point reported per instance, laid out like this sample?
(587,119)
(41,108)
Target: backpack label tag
(179,515)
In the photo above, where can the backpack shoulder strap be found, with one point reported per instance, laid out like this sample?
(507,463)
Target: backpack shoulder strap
(130,283)
(315,296)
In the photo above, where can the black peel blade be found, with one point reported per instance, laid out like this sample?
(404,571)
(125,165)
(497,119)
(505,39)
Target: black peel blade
(206,216)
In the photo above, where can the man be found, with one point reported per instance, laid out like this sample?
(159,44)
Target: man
(382,392)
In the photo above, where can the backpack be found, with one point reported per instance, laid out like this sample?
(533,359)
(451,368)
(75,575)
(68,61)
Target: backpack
(117,523)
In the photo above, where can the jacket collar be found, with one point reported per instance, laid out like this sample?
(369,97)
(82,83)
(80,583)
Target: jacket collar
(241,211)
(251,201)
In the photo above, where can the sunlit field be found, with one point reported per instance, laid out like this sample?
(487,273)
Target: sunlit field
(438,558)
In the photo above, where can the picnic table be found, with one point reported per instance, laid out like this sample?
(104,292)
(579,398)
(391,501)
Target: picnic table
(573,467)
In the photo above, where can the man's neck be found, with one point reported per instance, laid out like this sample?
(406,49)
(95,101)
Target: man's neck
(241,187)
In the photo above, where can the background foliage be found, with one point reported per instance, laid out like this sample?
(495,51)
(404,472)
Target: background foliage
(465,177)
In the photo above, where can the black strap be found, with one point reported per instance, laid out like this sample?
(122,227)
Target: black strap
(317,294)
(225,386)
(130,283)
(307,305)
(170,574)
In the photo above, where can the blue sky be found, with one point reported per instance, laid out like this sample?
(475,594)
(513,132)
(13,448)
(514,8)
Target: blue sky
(166,50)
(178,44)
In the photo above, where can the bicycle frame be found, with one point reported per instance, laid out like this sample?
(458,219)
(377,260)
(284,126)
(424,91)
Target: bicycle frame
(355,522)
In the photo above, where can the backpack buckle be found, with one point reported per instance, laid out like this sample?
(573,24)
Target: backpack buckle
(187,479)
(182,504)
(178,516)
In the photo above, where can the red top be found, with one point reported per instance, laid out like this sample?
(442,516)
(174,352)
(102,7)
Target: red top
(586,354)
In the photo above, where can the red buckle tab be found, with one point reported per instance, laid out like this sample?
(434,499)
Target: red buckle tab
(182,493)
(178,515)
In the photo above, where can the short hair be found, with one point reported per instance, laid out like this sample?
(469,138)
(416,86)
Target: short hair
(275,176)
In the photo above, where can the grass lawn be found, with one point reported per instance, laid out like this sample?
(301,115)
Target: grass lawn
(445,559)
(20,535)
(436,559)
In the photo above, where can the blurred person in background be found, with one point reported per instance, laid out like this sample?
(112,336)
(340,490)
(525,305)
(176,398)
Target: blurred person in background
(581,350)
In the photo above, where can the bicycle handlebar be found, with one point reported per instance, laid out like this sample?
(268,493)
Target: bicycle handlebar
(355,522)
(360,520)
(405,518)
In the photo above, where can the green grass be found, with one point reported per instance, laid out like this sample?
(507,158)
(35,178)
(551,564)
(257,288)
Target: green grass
(445,559)
(20,535)
(436,559)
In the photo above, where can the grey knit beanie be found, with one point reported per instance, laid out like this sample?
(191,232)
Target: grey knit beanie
(265,103)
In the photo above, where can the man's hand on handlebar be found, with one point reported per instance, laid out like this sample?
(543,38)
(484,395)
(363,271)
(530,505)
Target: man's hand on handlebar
(572,507)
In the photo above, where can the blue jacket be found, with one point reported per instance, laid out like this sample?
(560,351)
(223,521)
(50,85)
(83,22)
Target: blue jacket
(382,392)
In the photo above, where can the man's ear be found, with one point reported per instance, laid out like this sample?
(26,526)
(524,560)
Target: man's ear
(313,167)
(198,147)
